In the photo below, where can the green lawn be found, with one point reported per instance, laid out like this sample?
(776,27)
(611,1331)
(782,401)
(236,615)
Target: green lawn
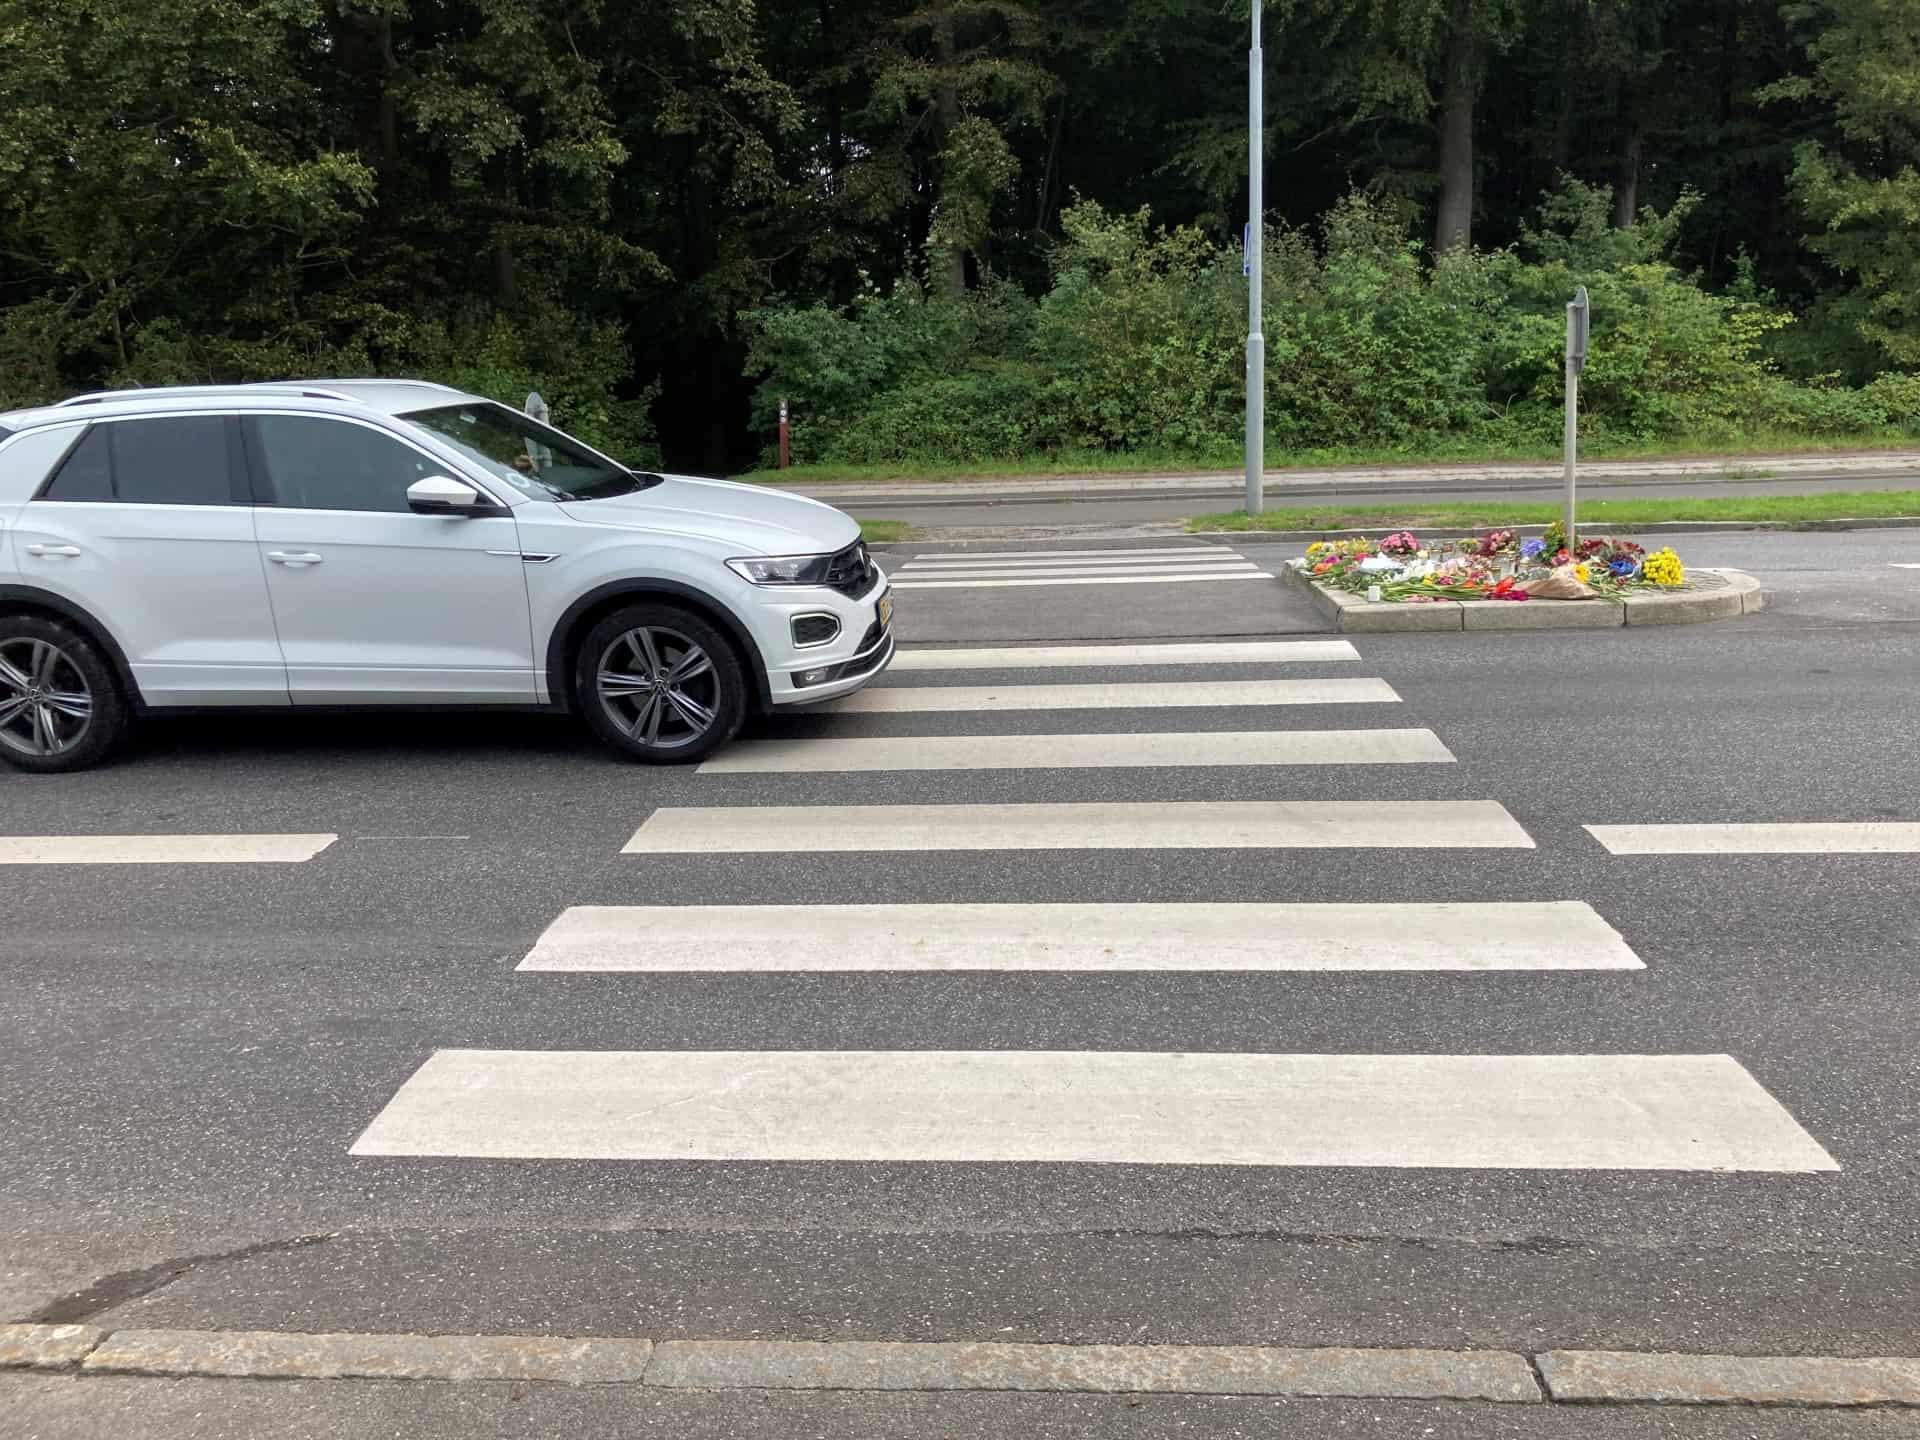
(1106,462)
(1594,514)
(877,532)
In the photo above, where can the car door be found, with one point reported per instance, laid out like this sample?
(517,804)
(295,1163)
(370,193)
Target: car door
(373,603)
(147,525)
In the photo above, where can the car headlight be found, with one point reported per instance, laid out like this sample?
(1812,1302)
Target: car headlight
(782,569)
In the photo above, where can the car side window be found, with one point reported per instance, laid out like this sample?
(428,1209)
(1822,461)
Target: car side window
(318,464)
(178,460)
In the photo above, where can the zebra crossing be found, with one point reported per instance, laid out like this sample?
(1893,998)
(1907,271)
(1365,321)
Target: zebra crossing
(1678,1112)
(1012,569)
(161,849)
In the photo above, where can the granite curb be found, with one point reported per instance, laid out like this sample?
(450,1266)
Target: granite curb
(1106,536)
(1714,595)
(1660,527)
(1582,1377)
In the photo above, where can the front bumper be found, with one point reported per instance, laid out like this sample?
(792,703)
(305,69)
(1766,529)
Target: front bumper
(806,675)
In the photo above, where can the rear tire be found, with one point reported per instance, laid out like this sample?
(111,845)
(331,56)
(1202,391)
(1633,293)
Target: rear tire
(660,683)
(60,703)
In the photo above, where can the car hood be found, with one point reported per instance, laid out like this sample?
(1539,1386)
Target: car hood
(749,519)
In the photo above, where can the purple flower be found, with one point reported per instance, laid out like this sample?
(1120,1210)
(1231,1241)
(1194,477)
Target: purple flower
(1531,548)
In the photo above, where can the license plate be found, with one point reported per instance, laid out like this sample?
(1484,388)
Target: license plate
(886,609)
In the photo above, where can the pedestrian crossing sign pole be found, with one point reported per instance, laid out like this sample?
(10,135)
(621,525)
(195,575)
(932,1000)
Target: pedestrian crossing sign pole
(1576,361)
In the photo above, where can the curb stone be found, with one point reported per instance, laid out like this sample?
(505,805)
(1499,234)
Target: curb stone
(1658,527)
(46,1347)
(1711,595)
(1620,1377)
(275,1355)
(942,537)
(1097,1369)
(1564,1377)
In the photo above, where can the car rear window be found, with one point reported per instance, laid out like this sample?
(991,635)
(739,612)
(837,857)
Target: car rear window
(175,460)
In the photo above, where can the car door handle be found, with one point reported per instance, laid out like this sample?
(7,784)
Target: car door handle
(68,551)
(293,557)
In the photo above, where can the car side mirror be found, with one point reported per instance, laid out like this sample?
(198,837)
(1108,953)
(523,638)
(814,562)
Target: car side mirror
(440,495)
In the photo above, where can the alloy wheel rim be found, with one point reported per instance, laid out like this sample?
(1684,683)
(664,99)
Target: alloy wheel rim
(659,687)
(46,705)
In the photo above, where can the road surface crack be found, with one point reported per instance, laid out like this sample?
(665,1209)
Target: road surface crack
(110,1292)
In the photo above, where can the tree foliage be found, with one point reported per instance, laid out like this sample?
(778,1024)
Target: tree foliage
(993,222)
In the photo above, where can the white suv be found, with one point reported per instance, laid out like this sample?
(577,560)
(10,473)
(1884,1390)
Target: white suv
(397,543)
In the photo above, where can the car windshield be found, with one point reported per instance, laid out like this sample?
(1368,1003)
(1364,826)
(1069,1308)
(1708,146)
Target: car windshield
(535,459)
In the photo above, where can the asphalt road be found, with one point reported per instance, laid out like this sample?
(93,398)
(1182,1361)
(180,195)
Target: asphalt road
(192,1050)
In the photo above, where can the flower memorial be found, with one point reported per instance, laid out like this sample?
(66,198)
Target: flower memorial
(1496,566)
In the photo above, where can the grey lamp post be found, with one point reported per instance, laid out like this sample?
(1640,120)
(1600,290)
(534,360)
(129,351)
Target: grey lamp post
(1256,248)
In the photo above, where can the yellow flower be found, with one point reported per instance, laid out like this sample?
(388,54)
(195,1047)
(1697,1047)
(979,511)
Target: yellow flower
(1663,568)
(1580,573)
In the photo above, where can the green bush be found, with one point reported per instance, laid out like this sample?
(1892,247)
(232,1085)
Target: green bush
(1139,344)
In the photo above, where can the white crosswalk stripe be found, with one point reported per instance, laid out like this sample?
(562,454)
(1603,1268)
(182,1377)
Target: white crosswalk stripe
(727,939)
(1679,1112)
(1212,652)
(1142,695)
(1083,572)
(1211,555)
(161,849)
(998,570)
(1531,1112)
(1140,825)
(1081,752)
(1871,837)
(1156,577)
(1122,556)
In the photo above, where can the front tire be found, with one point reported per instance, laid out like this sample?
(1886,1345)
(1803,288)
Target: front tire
(660,683)
(60,705)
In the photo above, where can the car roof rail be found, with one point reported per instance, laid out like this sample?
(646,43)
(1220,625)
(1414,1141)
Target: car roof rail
(308,392)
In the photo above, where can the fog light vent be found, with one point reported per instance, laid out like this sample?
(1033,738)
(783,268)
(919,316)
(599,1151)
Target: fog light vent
(814,629)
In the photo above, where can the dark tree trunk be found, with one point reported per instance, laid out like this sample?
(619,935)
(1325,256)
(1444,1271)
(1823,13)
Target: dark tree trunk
(1560,147)
(364,45)
(836,102)
(950,267)
(1053,161)
(388,118)
(1626,174)
(505,288)
(1453,227)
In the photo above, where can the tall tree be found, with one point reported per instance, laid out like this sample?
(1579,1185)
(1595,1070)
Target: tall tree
(1864,192)
(1420,60)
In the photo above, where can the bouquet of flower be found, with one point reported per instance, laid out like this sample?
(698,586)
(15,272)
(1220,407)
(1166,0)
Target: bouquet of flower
(1663,568)
(1401,543)
(1496,543)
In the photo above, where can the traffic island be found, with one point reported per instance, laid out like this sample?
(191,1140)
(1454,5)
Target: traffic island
(1497,581)
(1706,595)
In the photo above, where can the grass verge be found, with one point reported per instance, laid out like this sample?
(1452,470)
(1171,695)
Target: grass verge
(1106,462)
(1597,514)
(877,532)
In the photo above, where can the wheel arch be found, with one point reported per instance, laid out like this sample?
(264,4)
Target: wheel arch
(30,600)
(584,613)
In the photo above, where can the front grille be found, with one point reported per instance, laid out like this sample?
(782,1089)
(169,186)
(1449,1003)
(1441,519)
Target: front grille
(850,571)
